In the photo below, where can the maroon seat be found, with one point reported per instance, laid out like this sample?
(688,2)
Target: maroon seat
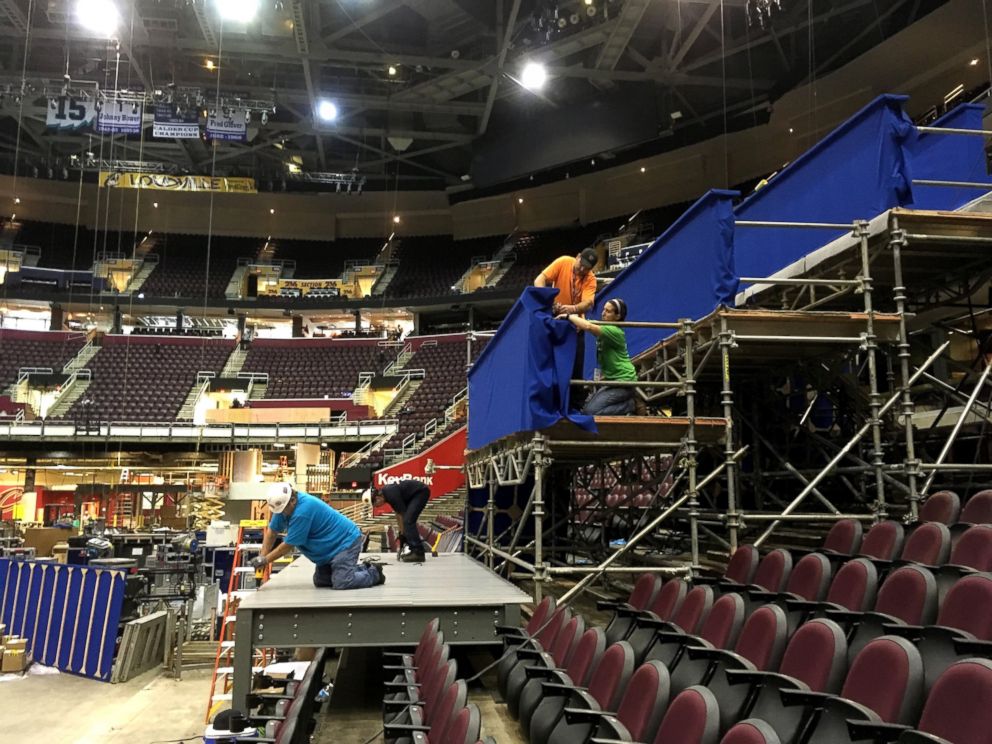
(884,685)
(462,728)
(560,656)
(943,507)
(974,549)
(844,537)
(742,565)
(854,587)
(438,706)
(930,544)
(883,541)
(751,731)
(959,707)
(642,707)
(978,509)
(720,630)
(773,571)
(514,636)
(692,718)
(809,578)
(641,596)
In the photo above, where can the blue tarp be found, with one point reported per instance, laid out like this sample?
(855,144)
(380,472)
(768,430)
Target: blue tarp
(858,171)
(686,273)
(950,157)
(520,381)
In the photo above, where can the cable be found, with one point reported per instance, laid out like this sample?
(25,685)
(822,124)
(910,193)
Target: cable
(177,741)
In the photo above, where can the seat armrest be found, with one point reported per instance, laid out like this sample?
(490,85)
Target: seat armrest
(875,731)
(797,605)
(918,737)
(844,616)
(909,632)
(402,684)
(398,668)
(405,727)
(557,689)
(650,620)
(754,677)
(580,715)
(529,652)
(536,672)
(610,741)
(973,647)
(609,604)
(804,697)
(704,652)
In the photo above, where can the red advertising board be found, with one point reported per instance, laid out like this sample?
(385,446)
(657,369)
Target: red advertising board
(449,451)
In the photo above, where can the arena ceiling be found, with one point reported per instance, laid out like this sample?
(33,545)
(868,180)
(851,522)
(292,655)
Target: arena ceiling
(428,91)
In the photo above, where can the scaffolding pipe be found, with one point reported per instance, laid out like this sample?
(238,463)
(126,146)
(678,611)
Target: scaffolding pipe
(566,570)
(806,517)
(871,346)
(954,184)
(625,383)
(953,130)
(902,351)
(636,324)
(957,427)
(802,339)
(975,467)
(802,282)
(797,225)
(501,553)
(849,446)
(648,529)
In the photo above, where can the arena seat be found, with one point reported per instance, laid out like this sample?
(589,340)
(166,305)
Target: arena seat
(687,620)
(844,537)
(751,731)
(640,711)
(978,509)
(853,589)
(664,606)
(883,541)
(39,349)
(958,709)
(439,705)
(645,589)
(720,629)
(542,640)
(942,506)
(742,565)
(693,717)
(560,656)
(929,544)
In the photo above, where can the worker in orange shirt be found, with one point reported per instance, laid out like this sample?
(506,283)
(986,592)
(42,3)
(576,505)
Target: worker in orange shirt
(575,281)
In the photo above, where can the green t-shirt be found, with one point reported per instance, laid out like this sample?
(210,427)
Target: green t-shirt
(612,356)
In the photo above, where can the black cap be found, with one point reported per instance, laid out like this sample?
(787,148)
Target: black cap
(589,258)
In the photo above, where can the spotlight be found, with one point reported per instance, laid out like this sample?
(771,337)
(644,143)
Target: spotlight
(240,11)
(209,64)
(272,211)
(99,16)
(326,110)
(17,200)
(643,169)
(973,63)
(396,219)
(534,76)
(520,200)
(392,70)
(155,205)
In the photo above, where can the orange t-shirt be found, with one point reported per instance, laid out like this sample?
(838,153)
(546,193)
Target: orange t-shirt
(571,289)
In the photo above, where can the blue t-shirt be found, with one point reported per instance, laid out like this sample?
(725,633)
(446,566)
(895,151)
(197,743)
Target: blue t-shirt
(319,531)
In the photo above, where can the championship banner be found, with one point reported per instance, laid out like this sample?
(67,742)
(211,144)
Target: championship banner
(120,117)
(170,125)
(231,127)
(70,113)
(167,182)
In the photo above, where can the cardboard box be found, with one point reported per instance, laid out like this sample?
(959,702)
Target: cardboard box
(16,644)
(14,661)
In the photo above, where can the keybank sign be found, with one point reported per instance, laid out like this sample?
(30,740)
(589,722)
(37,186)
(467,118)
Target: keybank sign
(386,479)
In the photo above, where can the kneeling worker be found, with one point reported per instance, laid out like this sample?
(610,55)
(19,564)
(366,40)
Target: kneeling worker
(329,539)
(408,499)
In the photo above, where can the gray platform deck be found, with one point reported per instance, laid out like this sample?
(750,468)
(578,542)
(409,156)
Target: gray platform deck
(289,611)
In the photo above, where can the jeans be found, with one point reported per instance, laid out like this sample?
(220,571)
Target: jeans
(610,401)
(410,516)
(343,571)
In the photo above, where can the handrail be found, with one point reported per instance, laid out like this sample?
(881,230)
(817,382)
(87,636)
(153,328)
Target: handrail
(254,376)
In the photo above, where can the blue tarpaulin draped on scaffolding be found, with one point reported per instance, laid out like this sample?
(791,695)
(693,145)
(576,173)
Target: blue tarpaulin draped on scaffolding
(858,171)
(950,157)
(686,273)
(520,381)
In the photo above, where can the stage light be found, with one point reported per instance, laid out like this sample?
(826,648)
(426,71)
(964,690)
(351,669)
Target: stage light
(534,76)
(272,211)
(643,169)
(155,205)
(392,70)
(326,110)
(17,200)
(99,16)
(520,200)
(241,11)
(209,64)
(396,219)
(974,62)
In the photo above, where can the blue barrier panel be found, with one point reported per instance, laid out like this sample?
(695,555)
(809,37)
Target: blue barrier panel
(520,381)
(68,614)
(858,171)
(950,157)
(686,273)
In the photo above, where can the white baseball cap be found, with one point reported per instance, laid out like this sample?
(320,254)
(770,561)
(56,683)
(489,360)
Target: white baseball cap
(367,496)
(278,496)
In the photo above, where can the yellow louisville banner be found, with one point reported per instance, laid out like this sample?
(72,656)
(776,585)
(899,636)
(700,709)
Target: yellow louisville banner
(167,182)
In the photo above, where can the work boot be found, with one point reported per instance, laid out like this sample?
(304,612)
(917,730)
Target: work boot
(380,575)
(413,556)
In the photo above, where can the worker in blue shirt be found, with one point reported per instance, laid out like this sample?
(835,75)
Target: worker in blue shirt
(329,539)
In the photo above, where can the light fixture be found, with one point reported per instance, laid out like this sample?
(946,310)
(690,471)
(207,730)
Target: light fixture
(17,200)
(99,16)
(272,211)
(209,64)
(520,200)
(392,70)
(643,169)
(326,110)
(155,205)
(265,118)
(240,11)
(396,219)
(974,62)
(534,76)
(791,130)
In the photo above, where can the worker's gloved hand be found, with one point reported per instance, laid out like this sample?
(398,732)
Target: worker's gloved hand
(258,561)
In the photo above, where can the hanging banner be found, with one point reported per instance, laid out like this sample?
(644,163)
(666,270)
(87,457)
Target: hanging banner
(70,113)
(169,124)
(120,117)
(229,124)
(168,182)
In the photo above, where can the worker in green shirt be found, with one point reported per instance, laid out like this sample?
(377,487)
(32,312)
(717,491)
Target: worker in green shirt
(612,359)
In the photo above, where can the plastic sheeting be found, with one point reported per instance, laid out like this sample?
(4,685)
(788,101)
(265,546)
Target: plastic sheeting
(520,382)
(685,273)
(858,171)
(950,157)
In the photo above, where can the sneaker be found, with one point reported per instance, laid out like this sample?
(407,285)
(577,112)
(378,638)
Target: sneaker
(412,557)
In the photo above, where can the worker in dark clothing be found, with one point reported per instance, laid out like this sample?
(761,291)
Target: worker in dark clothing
(408,499)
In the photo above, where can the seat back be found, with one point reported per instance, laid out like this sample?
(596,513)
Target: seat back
(887,677)
(541,614)
(612,675)
(588,651)
(974,548)
(762,639)
(546,635)
(959,707)
(723,624)
(694,609)
(742,565)
(909,594)
(645,589)
(645,701)
(930,544)
(844,537)
(773,571)
(978,510)
(810,577)
(817,656)
(444,701)
(968,606)
(567,640)
(943,507)
(884,541)
(751,731)
(692,718)
(442,677)
(855,585)
(427,640)
(670,598)
(463,727)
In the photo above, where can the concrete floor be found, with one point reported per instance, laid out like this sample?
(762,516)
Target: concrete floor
(65,709)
